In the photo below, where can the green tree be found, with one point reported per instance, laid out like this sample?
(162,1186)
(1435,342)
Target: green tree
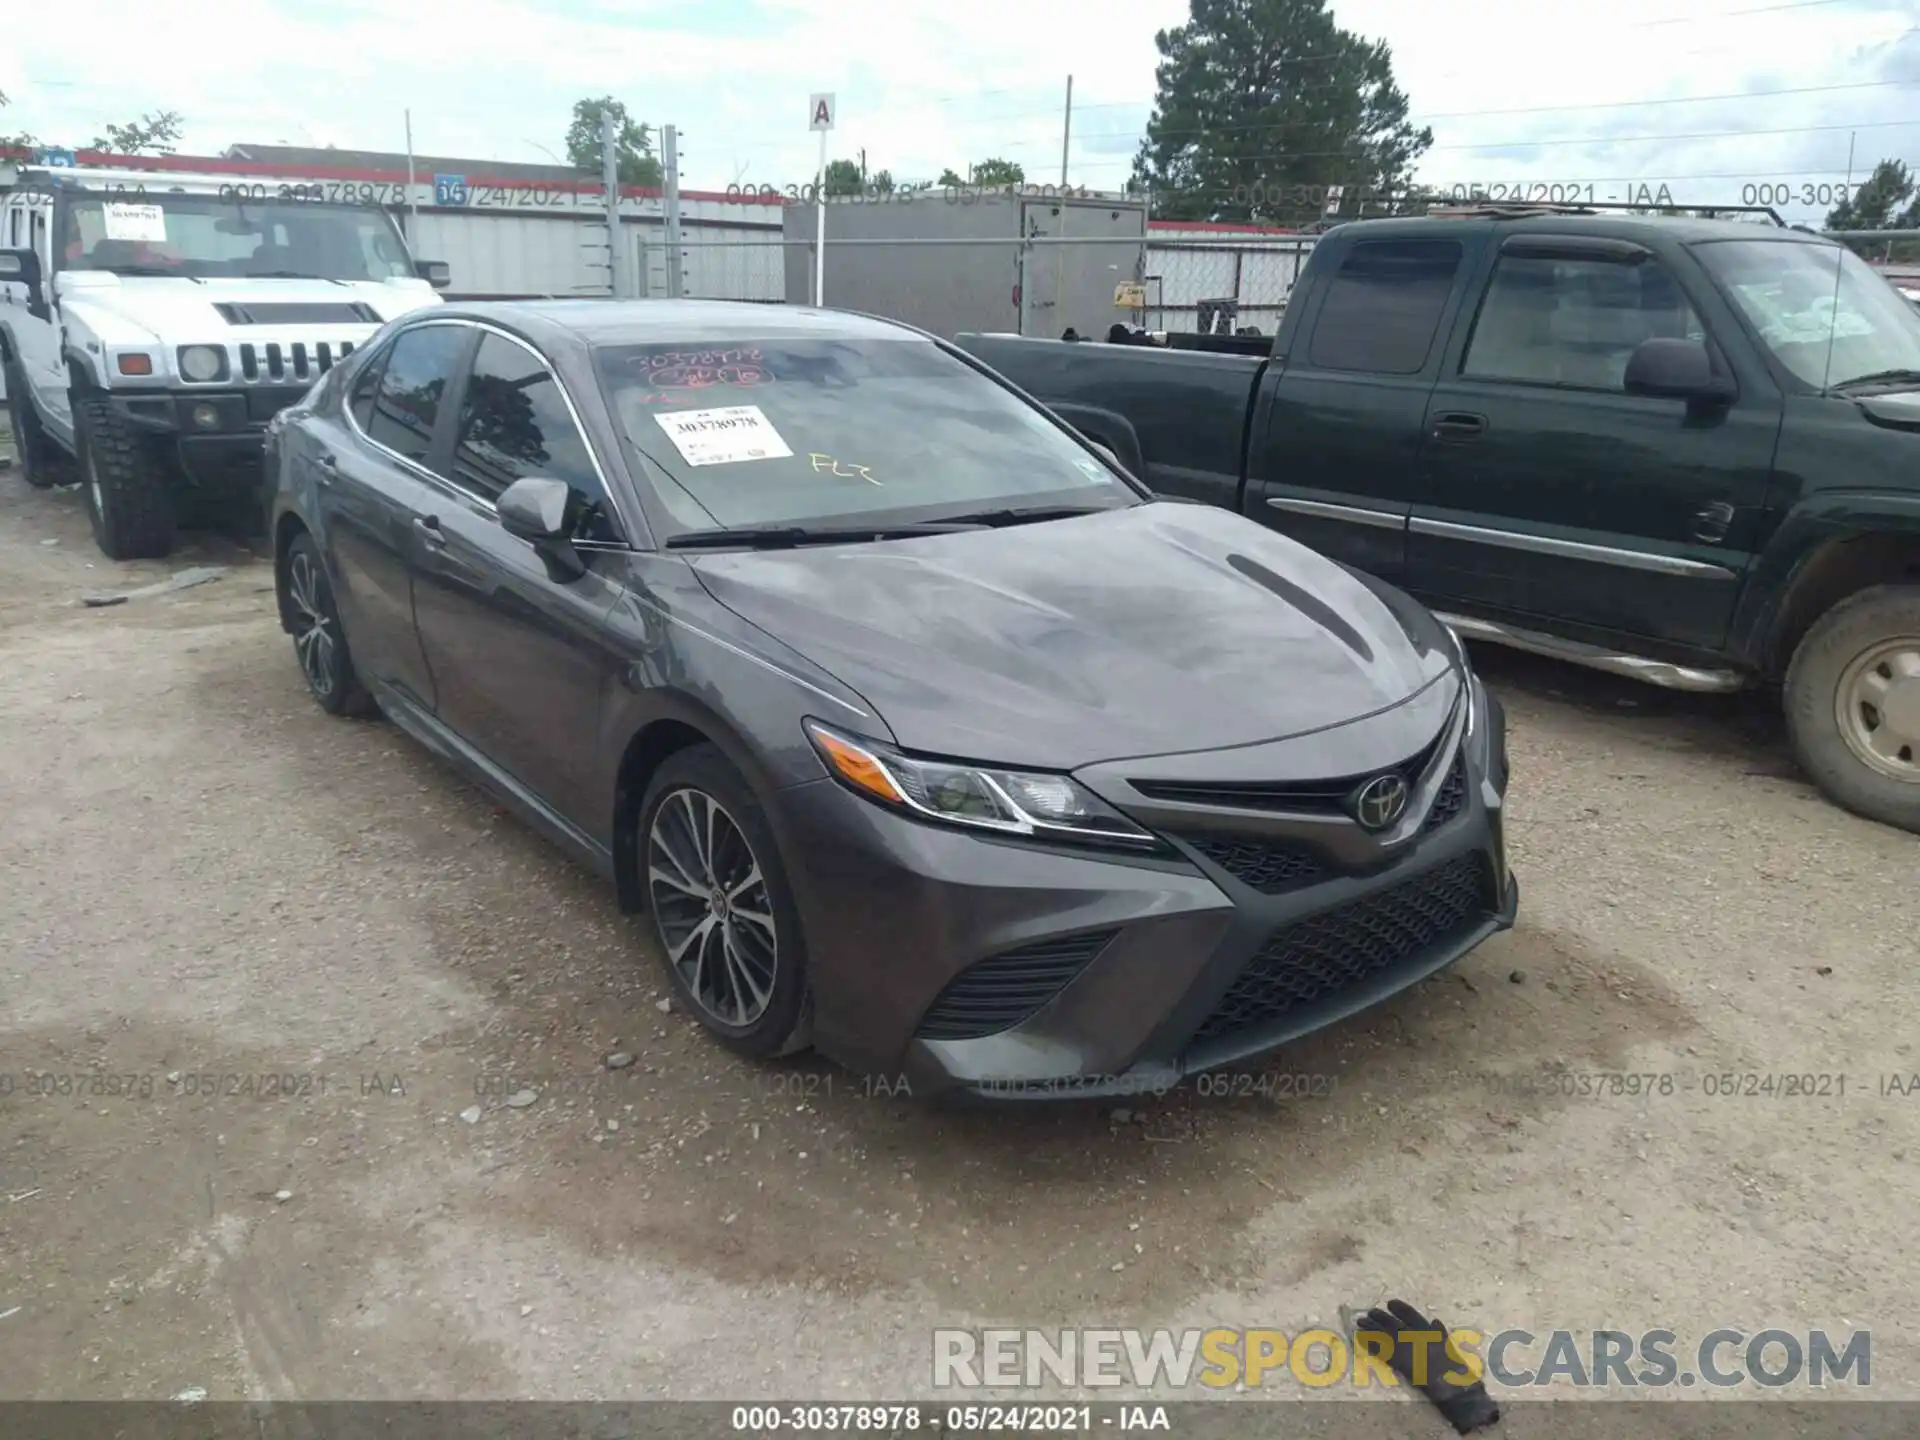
(1263,105)
(1887,201)
(19,140)
(991,172)
(153,134)
(843,178)
(632,143)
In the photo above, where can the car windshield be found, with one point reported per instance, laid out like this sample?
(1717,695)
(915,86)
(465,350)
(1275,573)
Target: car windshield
(1805,300)
(788,430)
(209,236)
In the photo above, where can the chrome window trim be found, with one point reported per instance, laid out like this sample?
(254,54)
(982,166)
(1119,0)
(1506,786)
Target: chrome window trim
(1354,514)
(1572,549)
(460,492)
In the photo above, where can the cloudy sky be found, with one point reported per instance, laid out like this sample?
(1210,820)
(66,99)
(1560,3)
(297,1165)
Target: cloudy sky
(1706,97)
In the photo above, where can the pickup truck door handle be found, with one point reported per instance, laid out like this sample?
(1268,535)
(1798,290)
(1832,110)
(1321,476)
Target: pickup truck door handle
(1711,522)
(1458,425)
(427,527)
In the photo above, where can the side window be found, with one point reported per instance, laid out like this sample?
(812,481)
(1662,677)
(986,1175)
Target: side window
(37,223)
(1573,322)
(13,227)
(514,423)
(411,387)
(1384,306)
(365,386)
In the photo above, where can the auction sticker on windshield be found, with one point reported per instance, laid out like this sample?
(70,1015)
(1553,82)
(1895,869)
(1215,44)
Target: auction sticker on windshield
(721,437)
(134,222)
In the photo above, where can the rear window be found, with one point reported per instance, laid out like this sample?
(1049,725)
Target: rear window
(800,430)
(1383,308)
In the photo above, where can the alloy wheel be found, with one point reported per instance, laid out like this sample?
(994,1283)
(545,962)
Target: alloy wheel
(1877,705)
(313,623)
(712,906)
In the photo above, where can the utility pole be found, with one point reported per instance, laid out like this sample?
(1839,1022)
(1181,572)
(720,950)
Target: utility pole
(413,207)
(1066,134)
(610,178)
(863,167)
(670,146)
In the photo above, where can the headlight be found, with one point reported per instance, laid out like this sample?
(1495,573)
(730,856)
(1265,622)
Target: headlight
(1013,802)
(203,362)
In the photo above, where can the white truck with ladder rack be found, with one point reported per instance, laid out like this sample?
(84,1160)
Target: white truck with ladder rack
(153,322)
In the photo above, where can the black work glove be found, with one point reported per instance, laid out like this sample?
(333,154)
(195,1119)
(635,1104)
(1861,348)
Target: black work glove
(1465,1407)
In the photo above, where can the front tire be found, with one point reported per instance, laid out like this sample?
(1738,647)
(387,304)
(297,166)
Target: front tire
(128,499)
(319,640)
(39,457)
(722,907)
(1853,704)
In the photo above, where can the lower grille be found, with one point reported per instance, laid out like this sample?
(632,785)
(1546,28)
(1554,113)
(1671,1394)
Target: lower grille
(1322,955)
(1271,867)
(998,993)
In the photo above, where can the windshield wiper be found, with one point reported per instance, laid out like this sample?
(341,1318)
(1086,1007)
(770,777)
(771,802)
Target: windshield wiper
(774,537)
(1876,377)
(283,275)
(1027,514)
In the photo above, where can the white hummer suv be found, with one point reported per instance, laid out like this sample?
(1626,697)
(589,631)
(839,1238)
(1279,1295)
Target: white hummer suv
(152,323)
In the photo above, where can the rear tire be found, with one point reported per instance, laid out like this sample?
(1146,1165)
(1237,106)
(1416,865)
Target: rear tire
(1853,704)
(128,498)
(742,966)
(39,458)
(319,640)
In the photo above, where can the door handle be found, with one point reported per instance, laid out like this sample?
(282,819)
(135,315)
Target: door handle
(427,527)
(1458,425)
(1711,522)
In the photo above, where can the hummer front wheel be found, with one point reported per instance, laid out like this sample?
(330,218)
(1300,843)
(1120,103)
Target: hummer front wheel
(128,500)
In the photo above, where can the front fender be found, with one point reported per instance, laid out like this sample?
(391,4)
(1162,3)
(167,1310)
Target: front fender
(1820,519)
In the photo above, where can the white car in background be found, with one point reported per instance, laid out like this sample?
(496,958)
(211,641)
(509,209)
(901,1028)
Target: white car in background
(152,323)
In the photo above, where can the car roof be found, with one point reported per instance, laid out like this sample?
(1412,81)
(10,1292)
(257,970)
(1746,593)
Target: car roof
(1685,229)
(596,323)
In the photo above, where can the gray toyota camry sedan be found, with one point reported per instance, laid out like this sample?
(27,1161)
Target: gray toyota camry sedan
(923,733)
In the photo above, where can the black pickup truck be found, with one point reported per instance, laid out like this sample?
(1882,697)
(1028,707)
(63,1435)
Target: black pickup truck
(1682,450)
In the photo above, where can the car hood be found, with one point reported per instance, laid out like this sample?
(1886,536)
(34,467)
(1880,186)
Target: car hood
(1156,629)
(143,309)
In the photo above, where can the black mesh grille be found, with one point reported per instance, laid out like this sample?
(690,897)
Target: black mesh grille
(1323,955)
(1269,866)
(1452,798)
(998,993)
(1312,796)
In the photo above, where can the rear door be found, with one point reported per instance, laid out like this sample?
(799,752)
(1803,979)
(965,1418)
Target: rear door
(374,485)
(1548,492)
(1332,462)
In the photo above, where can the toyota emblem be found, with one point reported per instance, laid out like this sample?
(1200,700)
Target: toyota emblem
(1380,802)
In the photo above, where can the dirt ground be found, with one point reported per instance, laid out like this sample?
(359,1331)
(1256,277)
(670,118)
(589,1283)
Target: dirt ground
(299,950)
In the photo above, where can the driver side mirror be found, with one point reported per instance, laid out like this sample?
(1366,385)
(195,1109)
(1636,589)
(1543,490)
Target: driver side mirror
(1669,369)
(22,267)
(535,509)
(436,273)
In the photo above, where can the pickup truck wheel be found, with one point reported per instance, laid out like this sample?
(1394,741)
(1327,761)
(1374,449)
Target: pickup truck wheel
(33,447)
(1853,704)
(128,499)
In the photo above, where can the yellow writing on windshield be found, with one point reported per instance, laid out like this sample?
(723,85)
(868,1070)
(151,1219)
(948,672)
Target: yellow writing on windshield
(827,465)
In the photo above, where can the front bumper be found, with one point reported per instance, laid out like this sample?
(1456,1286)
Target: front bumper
(965,963)
(218,436)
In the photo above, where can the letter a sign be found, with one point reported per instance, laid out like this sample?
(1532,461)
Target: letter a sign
(820,109)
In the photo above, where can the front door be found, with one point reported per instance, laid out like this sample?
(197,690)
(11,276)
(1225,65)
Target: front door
(520,657)
(1547,492)
(24,226)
